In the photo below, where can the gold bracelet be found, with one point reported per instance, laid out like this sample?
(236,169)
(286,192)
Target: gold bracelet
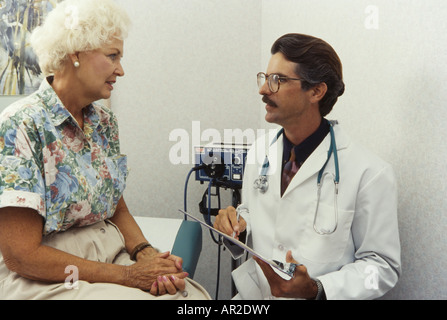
(138,248)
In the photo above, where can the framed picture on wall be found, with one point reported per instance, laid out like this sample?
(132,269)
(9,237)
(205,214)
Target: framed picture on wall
(20,73)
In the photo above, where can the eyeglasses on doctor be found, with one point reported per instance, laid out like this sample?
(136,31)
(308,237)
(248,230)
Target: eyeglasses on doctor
(273,80)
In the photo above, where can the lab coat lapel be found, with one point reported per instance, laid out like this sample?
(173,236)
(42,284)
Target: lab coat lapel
(311,166)
(316,160)
(275,159)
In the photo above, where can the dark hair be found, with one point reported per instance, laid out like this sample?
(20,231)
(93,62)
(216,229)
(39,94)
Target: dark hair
(317,62)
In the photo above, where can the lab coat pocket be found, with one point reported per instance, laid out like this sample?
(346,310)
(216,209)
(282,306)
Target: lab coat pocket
(246,281)
(329,247)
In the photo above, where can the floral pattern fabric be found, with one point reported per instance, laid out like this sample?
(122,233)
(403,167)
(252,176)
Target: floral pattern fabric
(71,177)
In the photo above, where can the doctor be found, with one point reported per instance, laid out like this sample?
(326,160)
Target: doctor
(344,239)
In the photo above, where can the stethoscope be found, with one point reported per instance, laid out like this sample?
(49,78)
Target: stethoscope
(262,183)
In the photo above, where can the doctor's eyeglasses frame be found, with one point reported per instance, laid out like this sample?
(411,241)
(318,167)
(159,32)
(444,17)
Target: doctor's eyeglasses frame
(273,80)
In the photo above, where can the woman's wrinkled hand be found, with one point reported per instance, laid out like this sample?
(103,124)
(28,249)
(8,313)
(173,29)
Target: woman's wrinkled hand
(158,273)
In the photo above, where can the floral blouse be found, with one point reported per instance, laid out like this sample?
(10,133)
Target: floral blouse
(71,177)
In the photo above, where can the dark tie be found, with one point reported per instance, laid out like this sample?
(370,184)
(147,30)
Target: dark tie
(289,171)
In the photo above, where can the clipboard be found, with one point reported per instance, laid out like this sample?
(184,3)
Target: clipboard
(285,268)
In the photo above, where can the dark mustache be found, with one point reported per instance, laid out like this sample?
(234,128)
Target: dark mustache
(266,100)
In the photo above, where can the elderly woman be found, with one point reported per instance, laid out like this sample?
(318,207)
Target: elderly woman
(62,213)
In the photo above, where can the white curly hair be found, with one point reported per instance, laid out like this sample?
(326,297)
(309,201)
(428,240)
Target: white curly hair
(76,26)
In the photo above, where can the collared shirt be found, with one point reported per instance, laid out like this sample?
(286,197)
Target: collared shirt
(70,176)
(305,148)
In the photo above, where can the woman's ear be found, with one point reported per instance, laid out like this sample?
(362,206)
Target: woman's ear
(74,59)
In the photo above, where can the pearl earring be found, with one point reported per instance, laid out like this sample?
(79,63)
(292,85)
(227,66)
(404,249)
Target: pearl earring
(76,64)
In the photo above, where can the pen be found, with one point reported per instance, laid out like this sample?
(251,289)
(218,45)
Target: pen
(238,214)
(239,209)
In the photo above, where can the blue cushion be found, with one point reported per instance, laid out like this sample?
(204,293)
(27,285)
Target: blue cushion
(188,245)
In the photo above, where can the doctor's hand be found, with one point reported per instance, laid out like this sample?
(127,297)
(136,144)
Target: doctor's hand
(227,222)
(300,286)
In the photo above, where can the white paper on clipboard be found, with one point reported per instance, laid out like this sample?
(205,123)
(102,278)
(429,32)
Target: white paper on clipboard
(272,263)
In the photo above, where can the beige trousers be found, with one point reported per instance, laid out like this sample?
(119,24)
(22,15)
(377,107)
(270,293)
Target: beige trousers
(100,242)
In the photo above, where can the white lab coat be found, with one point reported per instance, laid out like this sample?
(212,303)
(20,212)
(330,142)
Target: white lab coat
(361,259)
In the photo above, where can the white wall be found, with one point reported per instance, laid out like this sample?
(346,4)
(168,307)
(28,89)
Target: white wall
(394,55)
(185,61)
